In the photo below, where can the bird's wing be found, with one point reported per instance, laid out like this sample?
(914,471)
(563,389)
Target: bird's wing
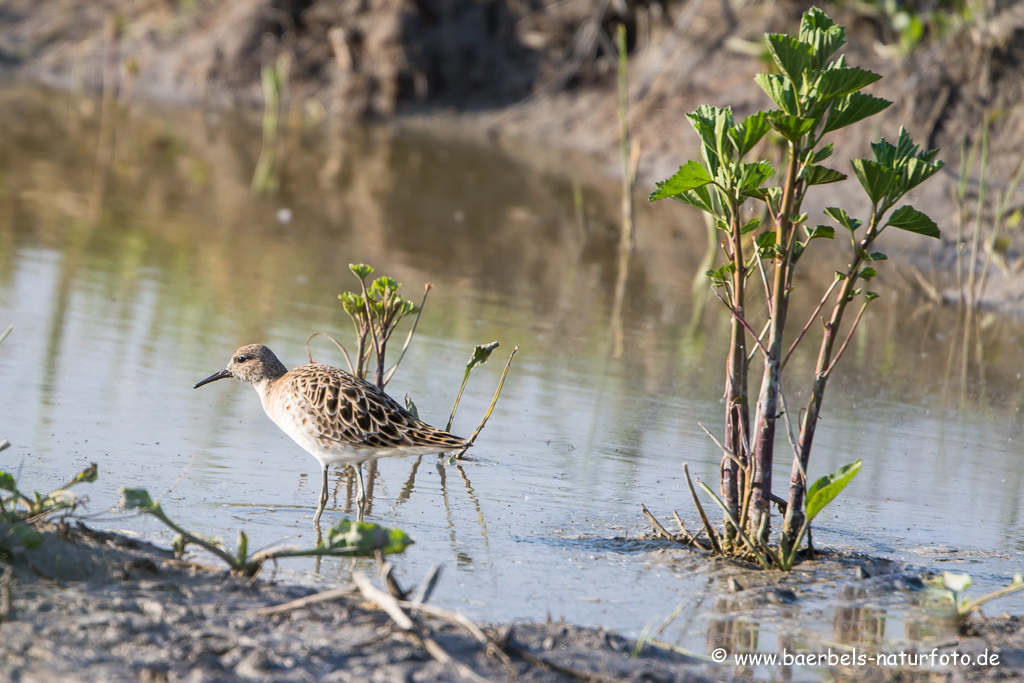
(352,411)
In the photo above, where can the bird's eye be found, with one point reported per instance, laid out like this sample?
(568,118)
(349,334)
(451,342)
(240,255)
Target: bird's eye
(241,359)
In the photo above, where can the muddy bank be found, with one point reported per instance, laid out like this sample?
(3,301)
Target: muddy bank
(91,606)
(99,607)
(538,78)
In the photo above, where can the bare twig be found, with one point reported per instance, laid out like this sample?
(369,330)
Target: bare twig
(682,527)
(930,290)
(408,339)
(404,622)
(849,335)
(743,322)
(348,360)
(700,510)
(760,339)
(728,453)
(658,528)
(810,320)
(174,484)
(323,596)
(427,586)
(739,529)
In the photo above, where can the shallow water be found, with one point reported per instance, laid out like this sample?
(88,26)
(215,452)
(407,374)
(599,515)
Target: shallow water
(135,258)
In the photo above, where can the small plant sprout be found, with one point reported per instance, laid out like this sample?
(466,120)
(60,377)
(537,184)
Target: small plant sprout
(18,510)
(954,587)
(816,94)
(345,539)
(19,507)
(480,355)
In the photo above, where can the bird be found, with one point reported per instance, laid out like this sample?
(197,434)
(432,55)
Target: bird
(337,417)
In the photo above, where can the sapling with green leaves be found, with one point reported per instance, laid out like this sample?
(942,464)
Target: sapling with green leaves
(817,94)
(376,312)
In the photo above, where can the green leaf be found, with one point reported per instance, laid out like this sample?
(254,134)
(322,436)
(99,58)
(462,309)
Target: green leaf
(132,499)
(720,277)
(765,239)
(877,256)
(822,154)
(956,582)
(870,296)
(820,231)
(841,82)
(797,252)
(383,288)
(765,244)
(699,197)
(690,175)
(752,176)
(822,33)
(87,476)
(790,127)
(711,124)
(480,355)
(780,90)
(820,175)
(918,171)
(360,270)
(751,226)
(242,545)
(841,217)
(852,109)
(28,535)
(411,407)
(828,487)
(875,178)
(910,219)
(867,273)
(792,56)
(364,538)
(748,133)
(7,483)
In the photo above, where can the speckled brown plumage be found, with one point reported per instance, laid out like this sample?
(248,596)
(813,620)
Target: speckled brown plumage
(335,416)
(342,412)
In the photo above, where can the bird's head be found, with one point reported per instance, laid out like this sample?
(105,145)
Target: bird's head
(253,364)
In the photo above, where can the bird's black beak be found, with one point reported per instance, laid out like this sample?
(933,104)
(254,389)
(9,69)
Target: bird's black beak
(213,378)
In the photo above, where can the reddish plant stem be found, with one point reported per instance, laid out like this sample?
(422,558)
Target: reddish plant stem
(768,398)
(794,518)
(737,412)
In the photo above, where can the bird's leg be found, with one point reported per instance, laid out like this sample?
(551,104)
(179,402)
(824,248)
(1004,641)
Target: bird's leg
(361,497)
(323,498)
